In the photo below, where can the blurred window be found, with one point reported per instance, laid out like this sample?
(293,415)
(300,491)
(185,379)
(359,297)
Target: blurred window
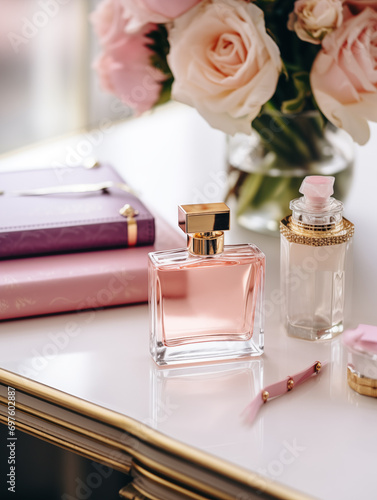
(47,84)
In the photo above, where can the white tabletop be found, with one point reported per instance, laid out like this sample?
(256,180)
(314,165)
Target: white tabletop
(321,438)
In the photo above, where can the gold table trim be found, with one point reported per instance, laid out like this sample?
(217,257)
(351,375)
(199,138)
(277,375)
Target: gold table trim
(184,465)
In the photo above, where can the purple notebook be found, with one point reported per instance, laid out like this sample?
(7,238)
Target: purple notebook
(62,222)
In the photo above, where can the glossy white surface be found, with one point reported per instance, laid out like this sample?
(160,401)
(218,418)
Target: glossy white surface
(321,438)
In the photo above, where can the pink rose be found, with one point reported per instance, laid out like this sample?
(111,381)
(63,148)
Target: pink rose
(224,63)
(125,70)
(312,20)
(344,75)
(140,12)
(108,21)
(357,6)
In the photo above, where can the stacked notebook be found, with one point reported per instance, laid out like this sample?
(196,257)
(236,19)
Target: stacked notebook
(74,239)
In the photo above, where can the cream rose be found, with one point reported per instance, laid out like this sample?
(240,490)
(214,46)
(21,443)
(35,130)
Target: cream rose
(224,63)
(344,76)
(312,20)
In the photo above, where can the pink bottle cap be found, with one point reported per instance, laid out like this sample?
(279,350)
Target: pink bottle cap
(363,338)
(317,189)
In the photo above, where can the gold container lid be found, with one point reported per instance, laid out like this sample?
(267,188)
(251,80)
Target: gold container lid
(203,217)
(204,224)
(363,385)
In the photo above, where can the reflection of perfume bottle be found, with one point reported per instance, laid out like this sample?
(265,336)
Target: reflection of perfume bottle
(315,241)
(187,400)
(206,301)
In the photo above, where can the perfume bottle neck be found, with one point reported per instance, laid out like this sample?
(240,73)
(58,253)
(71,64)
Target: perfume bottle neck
(209,243)
(309,216)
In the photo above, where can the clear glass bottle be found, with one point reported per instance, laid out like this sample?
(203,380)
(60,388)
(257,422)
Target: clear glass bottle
(206,301)
(315,267)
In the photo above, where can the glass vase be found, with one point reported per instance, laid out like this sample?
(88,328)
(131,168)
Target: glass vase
(267,167)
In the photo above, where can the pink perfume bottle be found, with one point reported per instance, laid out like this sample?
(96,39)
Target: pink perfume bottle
(206,300)
(315,261)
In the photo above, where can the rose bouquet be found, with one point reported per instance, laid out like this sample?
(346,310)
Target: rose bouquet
(248,67)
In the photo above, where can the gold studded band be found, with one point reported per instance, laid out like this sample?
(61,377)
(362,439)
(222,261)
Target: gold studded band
(316,235)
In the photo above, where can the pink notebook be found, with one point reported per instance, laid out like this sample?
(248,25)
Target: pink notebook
(78,281)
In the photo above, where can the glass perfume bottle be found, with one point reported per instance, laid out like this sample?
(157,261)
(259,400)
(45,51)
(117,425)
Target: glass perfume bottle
(315,261)
(206,300)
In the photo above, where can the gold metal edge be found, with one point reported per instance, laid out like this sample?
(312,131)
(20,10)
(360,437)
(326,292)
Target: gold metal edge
(312,238)
(100,439)
(362,385)
(153,437)
(66,445)
(178,477)
(175,475)
(169,485)
(130,490)
(67,425)
(103,459)
(110,442)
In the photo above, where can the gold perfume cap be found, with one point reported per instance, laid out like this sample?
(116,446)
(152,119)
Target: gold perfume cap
(204,224)
(203,217)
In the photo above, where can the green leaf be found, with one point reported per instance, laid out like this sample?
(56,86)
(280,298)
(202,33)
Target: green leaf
(248,191)
(301,83)
(160,47)
(165,93)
